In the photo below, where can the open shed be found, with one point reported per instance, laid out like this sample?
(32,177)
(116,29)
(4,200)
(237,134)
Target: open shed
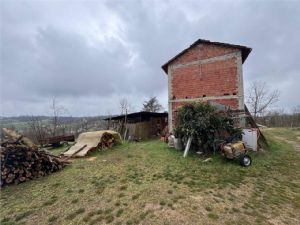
(139,125)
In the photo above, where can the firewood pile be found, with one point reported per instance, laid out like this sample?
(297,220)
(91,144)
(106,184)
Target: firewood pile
(22,161)
(107,141)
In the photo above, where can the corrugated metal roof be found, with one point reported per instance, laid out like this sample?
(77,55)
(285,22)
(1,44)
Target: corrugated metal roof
(142,114)
(245,51)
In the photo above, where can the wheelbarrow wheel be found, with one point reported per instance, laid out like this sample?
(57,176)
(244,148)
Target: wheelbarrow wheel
(245,160)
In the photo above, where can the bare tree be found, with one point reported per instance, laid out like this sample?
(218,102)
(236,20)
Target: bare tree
(109,115)
(296,116)
(57,112)
(296,109)
(125,106)
(37,129)
(260,98)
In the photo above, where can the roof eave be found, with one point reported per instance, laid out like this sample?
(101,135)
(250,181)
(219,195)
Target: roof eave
(245,51)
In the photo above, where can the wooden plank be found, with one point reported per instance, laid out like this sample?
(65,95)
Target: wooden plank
(254,125)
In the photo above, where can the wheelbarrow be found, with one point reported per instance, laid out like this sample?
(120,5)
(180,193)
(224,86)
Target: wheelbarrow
(236,150)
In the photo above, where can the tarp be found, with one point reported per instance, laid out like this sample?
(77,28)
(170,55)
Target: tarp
(88,141)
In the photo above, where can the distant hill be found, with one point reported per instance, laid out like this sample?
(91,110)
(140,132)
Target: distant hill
(63,119)
(69,124)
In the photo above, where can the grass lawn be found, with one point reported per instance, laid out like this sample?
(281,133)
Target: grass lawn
(149,183)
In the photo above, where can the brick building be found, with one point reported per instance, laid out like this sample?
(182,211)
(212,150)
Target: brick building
(206,71)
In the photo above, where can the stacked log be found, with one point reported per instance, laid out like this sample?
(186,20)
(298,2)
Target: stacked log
(107,141)
(20,163)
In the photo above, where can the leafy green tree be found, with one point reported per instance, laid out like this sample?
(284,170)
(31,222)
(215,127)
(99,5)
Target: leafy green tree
(152,105)
(205,124)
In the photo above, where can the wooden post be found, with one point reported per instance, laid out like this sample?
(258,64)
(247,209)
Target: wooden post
(187,147)
(125,133)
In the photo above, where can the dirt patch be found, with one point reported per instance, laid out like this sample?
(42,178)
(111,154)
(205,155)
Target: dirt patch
(172,216)
(91,158)
(152,207)
(198,198)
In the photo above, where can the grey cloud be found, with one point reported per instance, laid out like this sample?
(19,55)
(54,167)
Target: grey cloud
(89,54)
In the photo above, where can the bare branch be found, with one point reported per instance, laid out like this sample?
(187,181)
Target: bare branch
(260,98)
(125,106)
(37,129)
(57,112)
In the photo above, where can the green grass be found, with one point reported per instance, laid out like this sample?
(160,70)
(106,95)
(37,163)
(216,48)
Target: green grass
(213,216)
(23,215)
(75,213)
(52,219)
(288,133)
(147,182)
(119,212)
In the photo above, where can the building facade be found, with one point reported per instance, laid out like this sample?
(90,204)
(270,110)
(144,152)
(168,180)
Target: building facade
(206,71)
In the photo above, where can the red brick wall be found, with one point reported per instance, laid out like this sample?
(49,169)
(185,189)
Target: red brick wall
(211,79)
(233,103)
(175,105)
(203,51)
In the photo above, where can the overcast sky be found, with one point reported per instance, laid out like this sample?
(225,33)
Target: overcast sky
(89,54)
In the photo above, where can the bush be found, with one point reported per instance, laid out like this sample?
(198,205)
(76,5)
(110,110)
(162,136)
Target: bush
(205,124)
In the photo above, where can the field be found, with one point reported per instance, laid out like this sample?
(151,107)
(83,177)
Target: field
(149,183)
